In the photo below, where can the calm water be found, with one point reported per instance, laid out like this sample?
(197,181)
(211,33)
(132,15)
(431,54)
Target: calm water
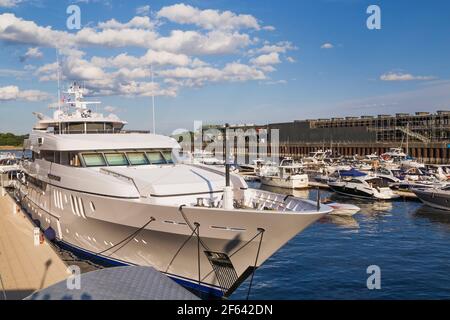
(408,241)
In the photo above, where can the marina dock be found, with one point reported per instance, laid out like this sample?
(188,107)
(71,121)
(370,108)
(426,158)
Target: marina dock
(24,267)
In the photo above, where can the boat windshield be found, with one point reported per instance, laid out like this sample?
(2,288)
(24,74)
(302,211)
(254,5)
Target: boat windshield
(137,158)
(94,160)
(116,159)
(377,183)
(127,158)
(168,156)
(156,157)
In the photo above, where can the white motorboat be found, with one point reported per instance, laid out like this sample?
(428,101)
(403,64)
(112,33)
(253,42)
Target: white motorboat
(208,158)
(342,209)
(8,170)
(360,185)
(396,157)
(123,198)
(287,175)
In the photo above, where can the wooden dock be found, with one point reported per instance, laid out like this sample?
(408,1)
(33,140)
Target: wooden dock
(24,267)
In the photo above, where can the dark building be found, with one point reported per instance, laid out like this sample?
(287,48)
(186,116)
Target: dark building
(423,135)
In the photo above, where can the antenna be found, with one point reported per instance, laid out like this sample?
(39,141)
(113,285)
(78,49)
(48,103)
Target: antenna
(58,75)
(153,98)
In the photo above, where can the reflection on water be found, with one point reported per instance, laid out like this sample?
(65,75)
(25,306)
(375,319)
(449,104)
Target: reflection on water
(18,153)
(433,215)
(341,221)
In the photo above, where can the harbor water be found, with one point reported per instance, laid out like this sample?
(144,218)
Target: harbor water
(409,242)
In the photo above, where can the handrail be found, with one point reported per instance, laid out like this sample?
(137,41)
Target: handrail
(120,175)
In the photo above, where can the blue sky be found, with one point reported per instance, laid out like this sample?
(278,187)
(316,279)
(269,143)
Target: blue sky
(226,61)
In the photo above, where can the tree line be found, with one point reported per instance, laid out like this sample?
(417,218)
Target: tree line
(10,139)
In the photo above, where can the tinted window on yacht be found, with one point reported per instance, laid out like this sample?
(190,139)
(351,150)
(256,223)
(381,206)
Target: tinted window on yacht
(137,158)
(155,157)
(116,159)
(94,160)
(76,128)
(48,155)
(168,156)
(95,127)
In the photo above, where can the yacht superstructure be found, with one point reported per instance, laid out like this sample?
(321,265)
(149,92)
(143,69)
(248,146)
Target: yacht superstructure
(123,198)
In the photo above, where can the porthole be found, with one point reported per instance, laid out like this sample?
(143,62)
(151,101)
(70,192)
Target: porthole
(92,206)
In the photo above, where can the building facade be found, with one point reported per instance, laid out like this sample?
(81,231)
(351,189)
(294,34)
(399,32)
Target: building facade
(423,135)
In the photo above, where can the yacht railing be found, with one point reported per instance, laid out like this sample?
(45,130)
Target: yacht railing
(114,131)
(121,176)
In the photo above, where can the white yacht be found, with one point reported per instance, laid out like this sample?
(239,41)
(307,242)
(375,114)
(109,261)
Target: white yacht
(360,185)
(396,157)
(123,198)
(8,170)
(205,157)
(287,175)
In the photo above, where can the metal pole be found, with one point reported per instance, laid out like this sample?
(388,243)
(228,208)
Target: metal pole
(318,199)
(153,99)
(227,165)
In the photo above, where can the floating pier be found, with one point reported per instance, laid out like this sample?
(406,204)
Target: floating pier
(120,283)
(25,266)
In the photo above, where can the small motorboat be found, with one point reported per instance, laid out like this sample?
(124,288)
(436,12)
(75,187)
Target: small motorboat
(341,209)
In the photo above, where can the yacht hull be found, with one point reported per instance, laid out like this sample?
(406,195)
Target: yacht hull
(122,231)
(433,199)
(296,182)
(360,192)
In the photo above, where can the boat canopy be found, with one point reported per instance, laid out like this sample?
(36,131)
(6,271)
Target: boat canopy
(351,173)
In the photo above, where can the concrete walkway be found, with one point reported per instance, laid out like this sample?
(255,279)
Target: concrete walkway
(24,267)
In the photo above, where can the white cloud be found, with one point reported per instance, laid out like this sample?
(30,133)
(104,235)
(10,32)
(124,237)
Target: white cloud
(280,47)
(193,42)
(266,59)
(10,93)
(17,30)
(117,37)
(143,11)
(136,22)
(275,82)
(290,59)
(174,55)
(9,3)
(392,76)
(208,19)
(137,33)
(12,73)
(32,53)
(231,72)
(110,109)
(151,57)
(269,28)
(327,46)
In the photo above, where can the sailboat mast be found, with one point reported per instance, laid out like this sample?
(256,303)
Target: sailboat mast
(407,138)
(153,99)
